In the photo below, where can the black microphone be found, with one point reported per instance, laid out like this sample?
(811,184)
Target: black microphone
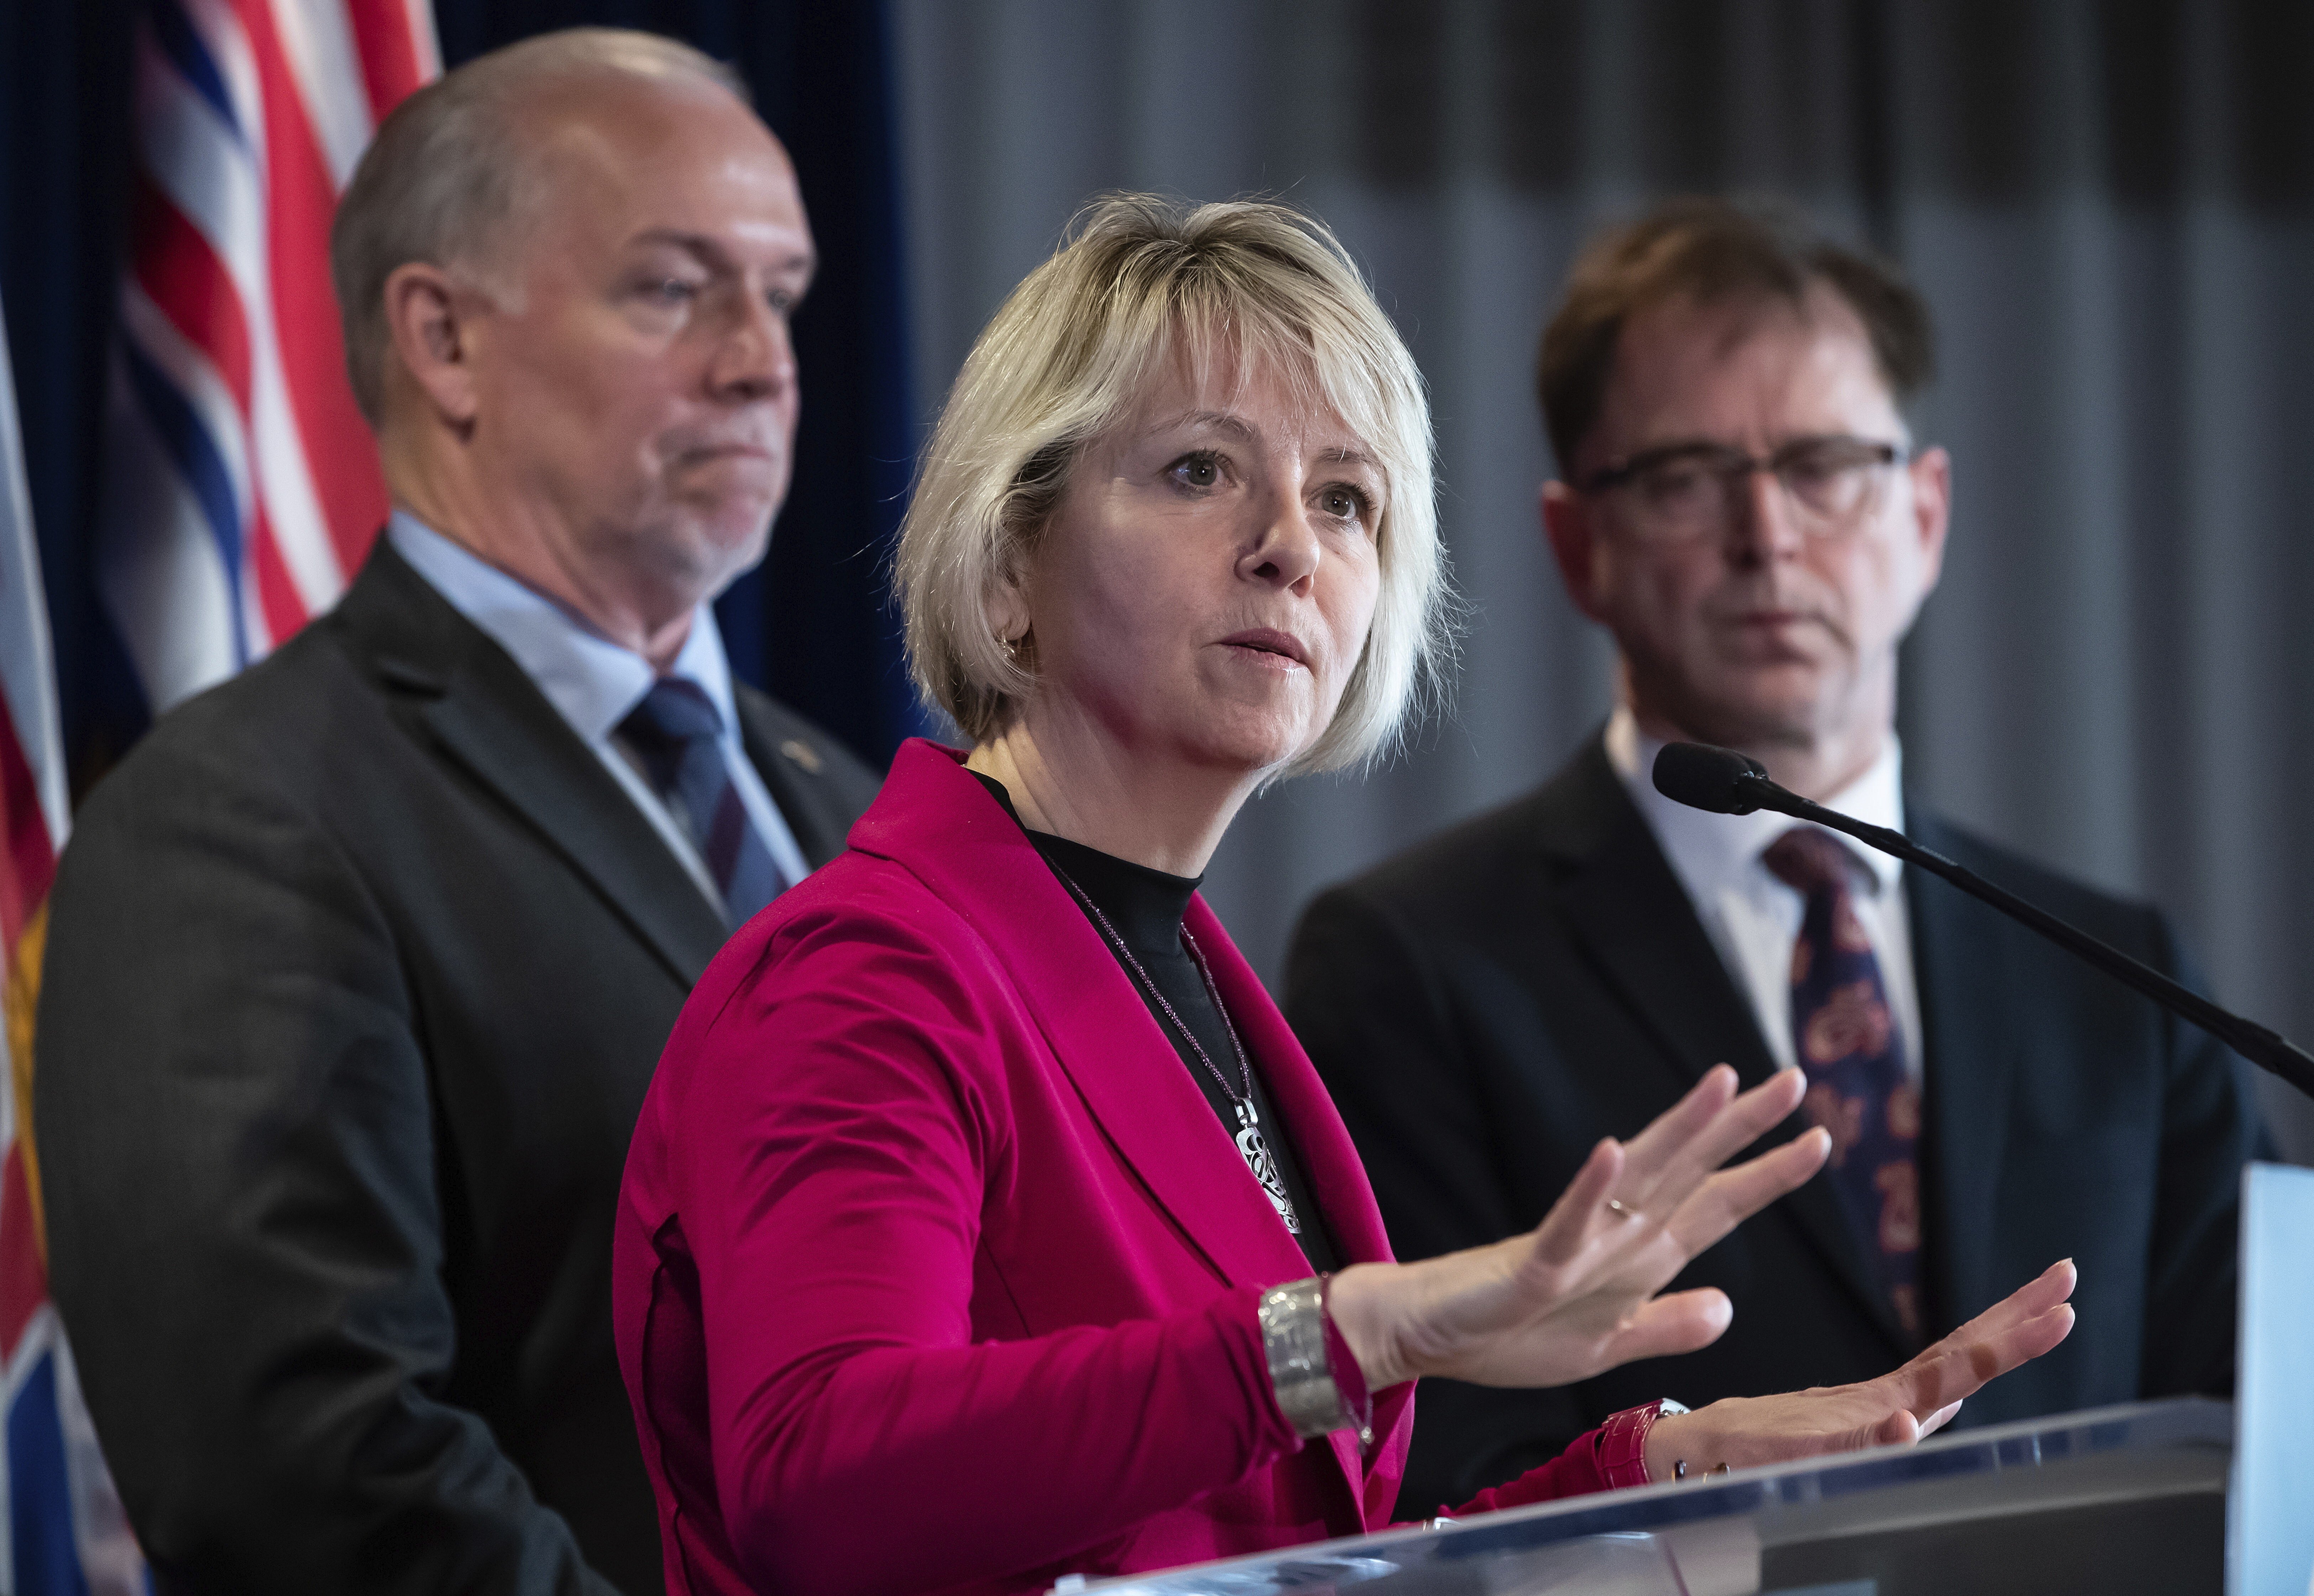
(1725,782)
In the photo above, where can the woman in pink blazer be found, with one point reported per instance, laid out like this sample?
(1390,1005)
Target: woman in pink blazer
(984,1222)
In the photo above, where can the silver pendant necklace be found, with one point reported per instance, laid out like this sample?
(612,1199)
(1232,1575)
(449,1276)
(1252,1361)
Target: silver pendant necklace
(1251,1144)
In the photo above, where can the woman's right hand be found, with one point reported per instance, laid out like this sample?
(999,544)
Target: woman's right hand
(1578,1293)
(1896,1409)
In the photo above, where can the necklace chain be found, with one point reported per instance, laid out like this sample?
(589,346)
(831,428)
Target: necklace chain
(1251,1145)
(1198,957)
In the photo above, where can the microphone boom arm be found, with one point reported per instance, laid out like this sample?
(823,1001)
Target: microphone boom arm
(2265,1048)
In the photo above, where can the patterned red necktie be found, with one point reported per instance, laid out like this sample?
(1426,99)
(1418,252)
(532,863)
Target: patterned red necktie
(1845,1039)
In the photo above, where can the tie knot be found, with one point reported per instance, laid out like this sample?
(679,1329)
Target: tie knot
(1808,860)
(674,713)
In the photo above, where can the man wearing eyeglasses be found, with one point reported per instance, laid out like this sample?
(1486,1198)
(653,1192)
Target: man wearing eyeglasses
(1742,504)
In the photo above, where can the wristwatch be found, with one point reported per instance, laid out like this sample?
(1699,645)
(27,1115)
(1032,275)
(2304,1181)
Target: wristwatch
(1623,1443)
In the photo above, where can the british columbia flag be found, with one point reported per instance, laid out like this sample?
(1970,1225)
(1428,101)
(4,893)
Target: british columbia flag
(243,486)
(64,1530)
(242,490)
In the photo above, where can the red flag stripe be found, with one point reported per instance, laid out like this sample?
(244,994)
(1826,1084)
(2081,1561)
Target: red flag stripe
(393,58)
(23,1281)
(182,275)
(28,859)
(300,200)
(283,606)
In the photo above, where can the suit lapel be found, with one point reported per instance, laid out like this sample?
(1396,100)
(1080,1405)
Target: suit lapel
(790,765)
(1967,1059)
(1627,908)
(489,718)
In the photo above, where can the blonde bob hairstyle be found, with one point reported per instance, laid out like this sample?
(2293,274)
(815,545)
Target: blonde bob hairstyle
(1140,281)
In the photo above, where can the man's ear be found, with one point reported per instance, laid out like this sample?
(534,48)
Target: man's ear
(429,318)
(1574,539)
(1932,473)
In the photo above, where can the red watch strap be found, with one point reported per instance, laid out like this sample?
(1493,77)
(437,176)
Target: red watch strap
(1623,1445)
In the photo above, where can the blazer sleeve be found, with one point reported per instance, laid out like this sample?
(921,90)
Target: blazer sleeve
(235,1136)
(1369,1007)
(2209,1130)
(830,1140)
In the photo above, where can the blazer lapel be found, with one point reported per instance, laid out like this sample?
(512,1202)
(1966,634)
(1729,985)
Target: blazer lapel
(1967,1060)
(1624,904)
(489,717)
(1330,1161)
(936,819)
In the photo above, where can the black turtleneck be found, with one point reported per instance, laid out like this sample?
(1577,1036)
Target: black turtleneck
(1146,907)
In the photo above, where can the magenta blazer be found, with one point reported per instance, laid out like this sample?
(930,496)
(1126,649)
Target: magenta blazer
(934,1271)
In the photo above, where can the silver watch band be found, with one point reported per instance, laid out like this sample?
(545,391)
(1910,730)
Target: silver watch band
(1293,1339)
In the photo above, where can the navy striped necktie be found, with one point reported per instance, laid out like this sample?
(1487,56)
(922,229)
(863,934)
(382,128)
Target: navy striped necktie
(679,736)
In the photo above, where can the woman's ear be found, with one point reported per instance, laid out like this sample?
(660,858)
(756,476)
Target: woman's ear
(1007,604)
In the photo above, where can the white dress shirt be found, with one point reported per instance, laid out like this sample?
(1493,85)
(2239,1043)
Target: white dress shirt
(1752,917)
(594,684)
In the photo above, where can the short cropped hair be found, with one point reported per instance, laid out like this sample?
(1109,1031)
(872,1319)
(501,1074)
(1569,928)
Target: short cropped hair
(1139,281)
(1713,250)
(447,170)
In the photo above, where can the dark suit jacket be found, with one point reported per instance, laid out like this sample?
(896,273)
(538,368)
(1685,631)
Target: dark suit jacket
(1488,1004)
(358,967)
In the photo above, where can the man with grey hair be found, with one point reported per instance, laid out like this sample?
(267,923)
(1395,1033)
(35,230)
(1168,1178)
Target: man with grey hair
(359,965)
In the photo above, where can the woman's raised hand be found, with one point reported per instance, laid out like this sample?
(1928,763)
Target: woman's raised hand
(1895,1409)
(1577,1294)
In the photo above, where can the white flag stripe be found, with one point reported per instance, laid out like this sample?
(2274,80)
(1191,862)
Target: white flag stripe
(163,578)
(199,164)
(209,175)
(227,41)
(28,672)
(293,507)
(317,37)
(421,34)
(187,366)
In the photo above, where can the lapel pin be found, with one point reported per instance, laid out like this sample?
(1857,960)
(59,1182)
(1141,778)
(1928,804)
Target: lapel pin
(803,753)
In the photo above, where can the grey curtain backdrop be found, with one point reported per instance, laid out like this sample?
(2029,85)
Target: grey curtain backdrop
(2110,207)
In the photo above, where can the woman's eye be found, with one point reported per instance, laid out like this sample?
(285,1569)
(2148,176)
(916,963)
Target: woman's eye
(671,291)
(1199,471)
(1345,504)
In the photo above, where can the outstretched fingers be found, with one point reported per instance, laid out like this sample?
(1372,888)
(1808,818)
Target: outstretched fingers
(1580,1207)
(1733,1195)
(1738,1124)
(2017,1329)
(1678,1125)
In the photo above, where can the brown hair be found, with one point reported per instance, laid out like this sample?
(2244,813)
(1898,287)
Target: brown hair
(1711,250)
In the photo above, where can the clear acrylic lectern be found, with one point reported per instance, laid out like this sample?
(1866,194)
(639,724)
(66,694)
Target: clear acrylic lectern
(2117,1500)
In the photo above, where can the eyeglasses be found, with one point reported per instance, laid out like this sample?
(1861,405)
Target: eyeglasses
(1692,491)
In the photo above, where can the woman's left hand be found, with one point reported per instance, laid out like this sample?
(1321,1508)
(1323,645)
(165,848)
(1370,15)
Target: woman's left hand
(1894,1410)
(1579,1294)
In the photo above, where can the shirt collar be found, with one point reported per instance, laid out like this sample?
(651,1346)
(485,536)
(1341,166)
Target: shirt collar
(592,682)
(1710,850)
